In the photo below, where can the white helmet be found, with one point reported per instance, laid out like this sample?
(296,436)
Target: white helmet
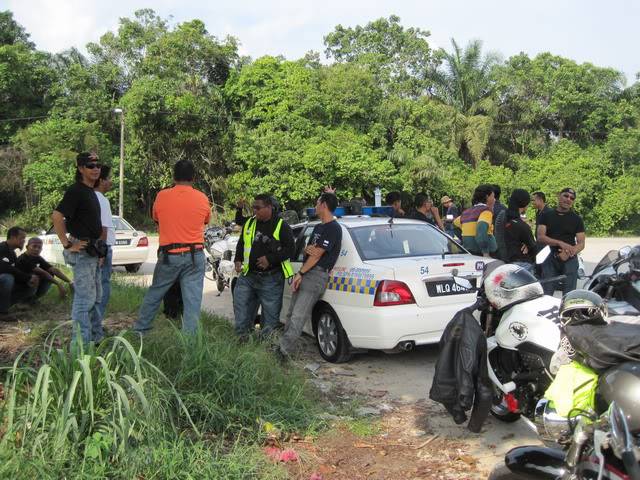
(510,284)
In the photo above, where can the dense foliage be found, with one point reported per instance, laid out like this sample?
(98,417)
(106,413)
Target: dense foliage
(386,110)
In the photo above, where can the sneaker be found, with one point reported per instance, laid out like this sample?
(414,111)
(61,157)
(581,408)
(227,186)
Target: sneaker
(8,317)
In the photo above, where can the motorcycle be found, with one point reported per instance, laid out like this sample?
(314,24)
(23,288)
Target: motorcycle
(220,245)
(600,448)
(616,279)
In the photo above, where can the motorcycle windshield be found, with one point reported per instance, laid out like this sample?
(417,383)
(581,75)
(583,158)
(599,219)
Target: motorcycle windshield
(607,260)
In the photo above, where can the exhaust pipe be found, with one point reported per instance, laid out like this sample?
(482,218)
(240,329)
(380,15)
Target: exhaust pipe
(407,345)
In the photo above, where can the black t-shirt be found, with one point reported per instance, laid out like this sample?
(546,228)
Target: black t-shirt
(516,234)
(81,208)
(8,261)
(539,214)
(563,226)
(417,215)
(27,263)
(327,236)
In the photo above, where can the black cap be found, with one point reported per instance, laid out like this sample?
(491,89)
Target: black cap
(86,157)
(568,190)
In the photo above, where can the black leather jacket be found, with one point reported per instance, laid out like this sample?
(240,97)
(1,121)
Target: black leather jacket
(461,380)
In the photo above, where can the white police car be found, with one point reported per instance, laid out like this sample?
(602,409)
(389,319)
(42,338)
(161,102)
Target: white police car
(392,287)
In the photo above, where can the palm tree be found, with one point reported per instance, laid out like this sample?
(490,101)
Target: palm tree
(464,82)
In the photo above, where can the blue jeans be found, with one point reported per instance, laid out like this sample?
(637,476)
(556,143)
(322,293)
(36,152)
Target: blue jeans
(12,292)
(253,290)
(170,268)
(552,267)
(105,280)
(529,267)
(86,298)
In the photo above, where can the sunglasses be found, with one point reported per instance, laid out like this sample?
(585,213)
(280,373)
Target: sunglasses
(569,196)
(92,166)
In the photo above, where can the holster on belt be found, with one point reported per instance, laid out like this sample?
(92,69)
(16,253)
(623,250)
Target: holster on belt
(173,246)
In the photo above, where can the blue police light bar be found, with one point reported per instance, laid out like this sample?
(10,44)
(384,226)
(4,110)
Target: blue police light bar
(385,211)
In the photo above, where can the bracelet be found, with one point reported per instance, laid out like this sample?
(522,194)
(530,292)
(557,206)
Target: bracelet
(301,273)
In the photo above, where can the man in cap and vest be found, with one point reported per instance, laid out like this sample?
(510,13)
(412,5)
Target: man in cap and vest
(262,258)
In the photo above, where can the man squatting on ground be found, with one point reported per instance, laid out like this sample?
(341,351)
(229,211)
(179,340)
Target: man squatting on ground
(82,249)
(15,285)
(308,285)
(181,213)
(32,263)
(263,256)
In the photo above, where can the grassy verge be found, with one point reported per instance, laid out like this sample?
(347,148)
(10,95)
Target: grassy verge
(168,406)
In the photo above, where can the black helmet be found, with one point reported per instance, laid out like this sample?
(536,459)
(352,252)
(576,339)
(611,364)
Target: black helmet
(583,306)
(622,385)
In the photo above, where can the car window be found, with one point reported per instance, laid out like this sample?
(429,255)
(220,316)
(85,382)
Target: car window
(401,240)
(121,224)
(302,242)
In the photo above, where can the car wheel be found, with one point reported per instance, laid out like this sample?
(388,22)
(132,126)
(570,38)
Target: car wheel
(133,268)
(331,338)
(501,411)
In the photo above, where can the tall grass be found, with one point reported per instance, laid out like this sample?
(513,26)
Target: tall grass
(171,406)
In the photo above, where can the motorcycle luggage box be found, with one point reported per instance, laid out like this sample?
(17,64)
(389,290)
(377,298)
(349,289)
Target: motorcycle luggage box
(603,346)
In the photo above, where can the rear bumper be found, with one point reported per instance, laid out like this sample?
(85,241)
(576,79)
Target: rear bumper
(382,328)
(129,255)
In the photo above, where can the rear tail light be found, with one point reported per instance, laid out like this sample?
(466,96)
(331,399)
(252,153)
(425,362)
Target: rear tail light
(392,292)
(143,242)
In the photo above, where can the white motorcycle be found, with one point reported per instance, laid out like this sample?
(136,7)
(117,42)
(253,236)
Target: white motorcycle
(221,245)
(521,326)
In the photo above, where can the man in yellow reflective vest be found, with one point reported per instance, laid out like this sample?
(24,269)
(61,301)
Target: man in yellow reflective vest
(263,259)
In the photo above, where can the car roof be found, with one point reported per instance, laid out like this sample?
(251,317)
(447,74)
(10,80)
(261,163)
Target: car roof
(353,221)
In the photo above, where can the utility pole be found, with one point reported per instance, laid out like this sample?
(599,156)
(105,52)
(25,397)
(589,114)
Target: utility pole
(121,189)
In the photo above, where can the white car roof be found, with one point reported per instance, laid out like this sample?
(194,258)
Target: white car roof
(365,221)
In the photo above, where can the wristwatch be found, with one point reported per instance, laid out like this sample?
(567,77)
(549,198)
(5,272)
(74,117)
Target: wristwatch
(68,245)
(301,273)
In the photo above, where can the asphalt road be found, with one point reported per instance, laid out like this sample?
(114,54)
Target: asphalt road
(407,376)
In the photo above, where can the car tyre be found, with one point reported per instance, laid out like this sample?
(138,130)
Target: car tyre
(133,268)
(333,343)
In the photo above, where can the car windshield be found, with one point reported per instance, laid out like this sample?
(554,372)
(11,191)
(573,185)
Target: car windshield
(376,242)
(121,224)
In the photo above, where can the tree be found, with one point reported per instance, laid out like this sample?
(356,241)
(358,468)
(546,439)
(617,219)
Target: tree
(400,58)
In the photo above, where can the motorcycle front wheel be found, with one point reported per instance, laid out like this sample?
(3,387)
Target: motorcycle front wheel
(501,411)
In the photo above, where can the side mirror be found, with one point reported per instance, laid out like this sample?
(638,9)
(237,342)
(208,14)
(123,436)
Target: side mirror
(624,251)
(543,255)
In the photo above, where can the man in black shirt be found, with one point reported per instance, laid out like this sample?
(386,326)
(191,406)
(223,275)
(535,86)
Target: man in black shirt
(540,203)
(81,209)
(451,212)
(563,230)
(309,284)
(263,257)
(15,285)
(520,247)
(394,199)
(32,263)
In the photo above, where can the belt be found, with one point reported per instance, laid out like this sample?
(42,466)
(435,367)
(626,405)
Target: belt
(266,273)
(173,246)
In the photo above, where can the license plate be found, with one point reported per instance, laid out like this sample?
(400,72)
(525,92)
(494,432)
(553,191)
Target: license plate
(123,242)
(443,288)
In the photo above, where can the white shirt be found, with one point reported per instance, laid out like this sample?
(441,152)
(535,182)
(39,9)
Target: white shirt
(107,218)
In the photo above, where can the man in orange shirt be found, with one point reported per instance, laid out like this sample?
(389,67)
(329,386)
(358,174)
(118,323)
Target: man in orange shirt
(181,213)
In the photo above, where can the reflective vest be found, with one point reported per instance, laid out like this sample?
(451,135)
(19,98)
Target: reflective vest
(249,233)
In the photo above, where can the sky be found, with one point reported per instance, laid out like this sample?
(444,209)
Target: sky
(605,33)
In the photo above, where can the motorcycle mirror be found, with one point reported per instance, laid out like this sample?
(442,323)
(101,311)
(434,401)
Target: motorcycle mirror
(462,282)
(543,255)
(624,251)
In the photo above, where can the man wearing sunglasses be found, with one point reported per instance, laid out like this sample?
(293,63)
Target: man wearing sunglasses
(78,215)
(263,256)
(563,230)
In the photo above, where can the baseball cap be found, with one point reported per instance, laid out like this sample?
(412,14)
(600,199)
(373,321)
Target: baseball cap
(445,199)
(86,157)
(568,190)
